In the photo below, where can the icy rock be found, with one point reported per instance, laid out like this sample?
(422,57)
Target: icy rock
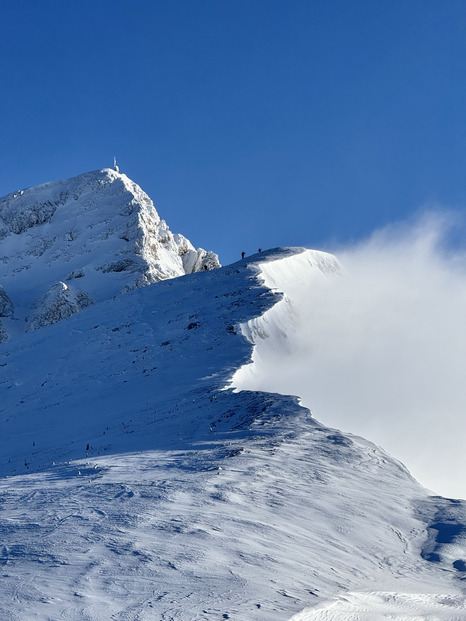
(195,260)
(60,302)
(123,265)
(199,260)
(75,274)
(6,305)
(3,334)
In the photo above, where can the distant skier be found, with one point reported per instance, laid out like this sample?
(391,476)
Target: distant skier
(260,249)
(205,267)
(242,255)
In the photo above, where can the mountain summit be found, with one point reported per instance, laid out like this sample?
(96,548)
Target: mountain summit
(67,244)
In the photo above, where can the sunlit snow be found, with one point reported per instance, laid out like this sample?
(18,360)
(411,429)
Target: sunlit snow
(136,484)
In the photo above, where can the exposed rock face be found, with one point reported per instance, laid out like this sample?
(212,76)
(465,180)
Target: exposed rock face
(3,334)
(59,303)
(98,230)
(6,305)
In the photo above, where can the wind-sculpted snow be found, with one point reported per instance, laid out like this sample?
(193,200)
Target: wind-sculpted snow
(99,227)
(136,486)
(390,606)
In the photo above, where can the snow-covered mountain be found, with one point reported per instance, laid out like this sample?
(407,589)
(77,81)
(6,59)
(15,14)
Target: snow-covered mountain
(136,482)
(71,243)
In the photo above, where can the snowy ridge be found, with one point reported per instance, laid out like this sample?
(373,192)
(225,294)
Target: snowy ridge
(275,329)
(135,486)
(98,231)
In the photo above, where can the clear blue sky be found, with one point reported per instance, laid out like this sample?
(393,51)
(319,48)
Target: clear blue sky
(249,122)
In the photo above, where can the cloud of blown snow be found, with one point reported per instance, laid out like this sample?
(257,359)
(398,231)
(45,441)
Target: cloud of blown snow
(381,351)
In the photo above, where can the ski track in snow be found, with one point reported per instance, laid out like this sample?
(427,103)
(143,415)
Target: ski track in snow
(135,486)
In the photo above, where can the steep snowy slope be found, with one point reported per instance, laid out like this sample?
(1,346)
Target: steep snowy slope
(90,237)
(135,485)
(275,333)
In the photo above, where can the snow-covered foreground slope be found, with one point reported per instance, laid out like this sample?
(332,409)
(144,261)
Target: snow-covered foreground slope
(379,606)
(135,485)
(94,236)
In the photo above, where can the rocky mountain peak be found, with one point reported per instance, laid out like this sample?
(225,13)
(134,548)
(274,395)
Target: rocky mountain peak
(99,232)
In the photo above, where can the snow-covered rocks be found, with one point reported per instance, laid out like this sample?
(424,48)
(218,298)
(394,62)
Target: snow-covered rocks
(3,334)
(60,302)
(30,214)
(195,260)
(6,305)
(6,310)
(98,229)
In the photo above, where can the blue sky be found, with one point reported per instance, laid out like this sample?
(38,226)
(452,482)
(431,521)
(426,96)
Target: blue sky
(250,123)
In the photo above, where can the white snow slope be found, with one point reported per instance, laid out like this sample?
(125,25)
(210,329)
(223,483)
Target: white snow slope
(94,236)
(135,485)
